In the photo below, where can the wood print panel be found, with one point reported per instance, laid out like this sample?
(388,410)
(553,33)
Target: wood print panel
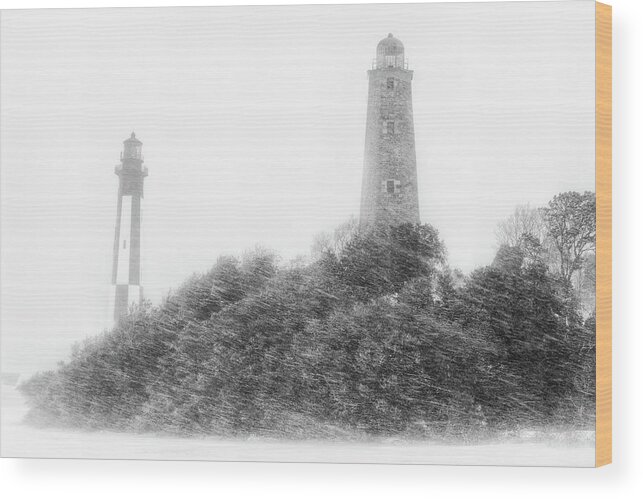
(603,234)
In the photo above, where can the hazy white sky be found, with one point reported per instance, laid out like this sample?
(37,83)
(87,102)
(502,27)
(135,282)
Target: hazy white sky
(252,122)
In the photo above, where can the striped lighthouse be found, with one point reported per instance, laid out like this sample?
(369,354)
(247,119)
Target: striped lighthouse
(126,272)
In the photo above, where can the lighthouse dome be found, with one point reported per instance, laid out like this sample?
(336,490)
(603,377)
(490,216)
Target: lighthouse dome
(132,148)
(390,53)
(132,138)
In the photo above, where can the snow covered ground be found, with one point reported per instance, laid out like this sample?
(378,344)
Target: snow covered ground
(19,440)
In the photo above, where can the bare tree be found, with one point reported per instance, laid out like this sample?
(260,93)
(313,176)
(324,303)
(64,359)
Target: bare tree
(525,220)
(571,225)
(335,241)
(562,236)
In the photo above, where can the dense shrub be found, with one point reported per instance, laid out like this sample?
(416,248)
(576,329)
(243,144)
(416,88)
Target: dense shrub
(379,337)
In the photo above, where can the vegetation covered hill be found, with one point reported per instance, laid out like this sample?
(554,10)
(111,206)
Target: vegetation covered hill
(377,336)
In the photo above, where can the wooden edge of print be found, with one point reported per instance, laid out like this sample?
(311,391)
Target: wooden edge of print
(603,234)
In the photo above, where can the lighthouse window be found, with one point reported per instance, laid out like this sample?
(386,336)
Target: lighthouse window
(390,127)
(390,61)
(391,186)
(390,83)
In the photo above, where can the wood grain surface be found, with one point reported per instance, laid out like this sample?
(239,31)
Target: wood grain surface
(603,234)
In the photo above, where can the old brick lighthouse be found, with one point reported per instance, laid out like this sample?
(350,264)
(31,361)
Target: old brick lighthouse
(126,270)
(389,182)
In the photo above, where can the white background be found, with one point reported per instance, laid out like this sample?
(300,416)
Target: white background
(97,479)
